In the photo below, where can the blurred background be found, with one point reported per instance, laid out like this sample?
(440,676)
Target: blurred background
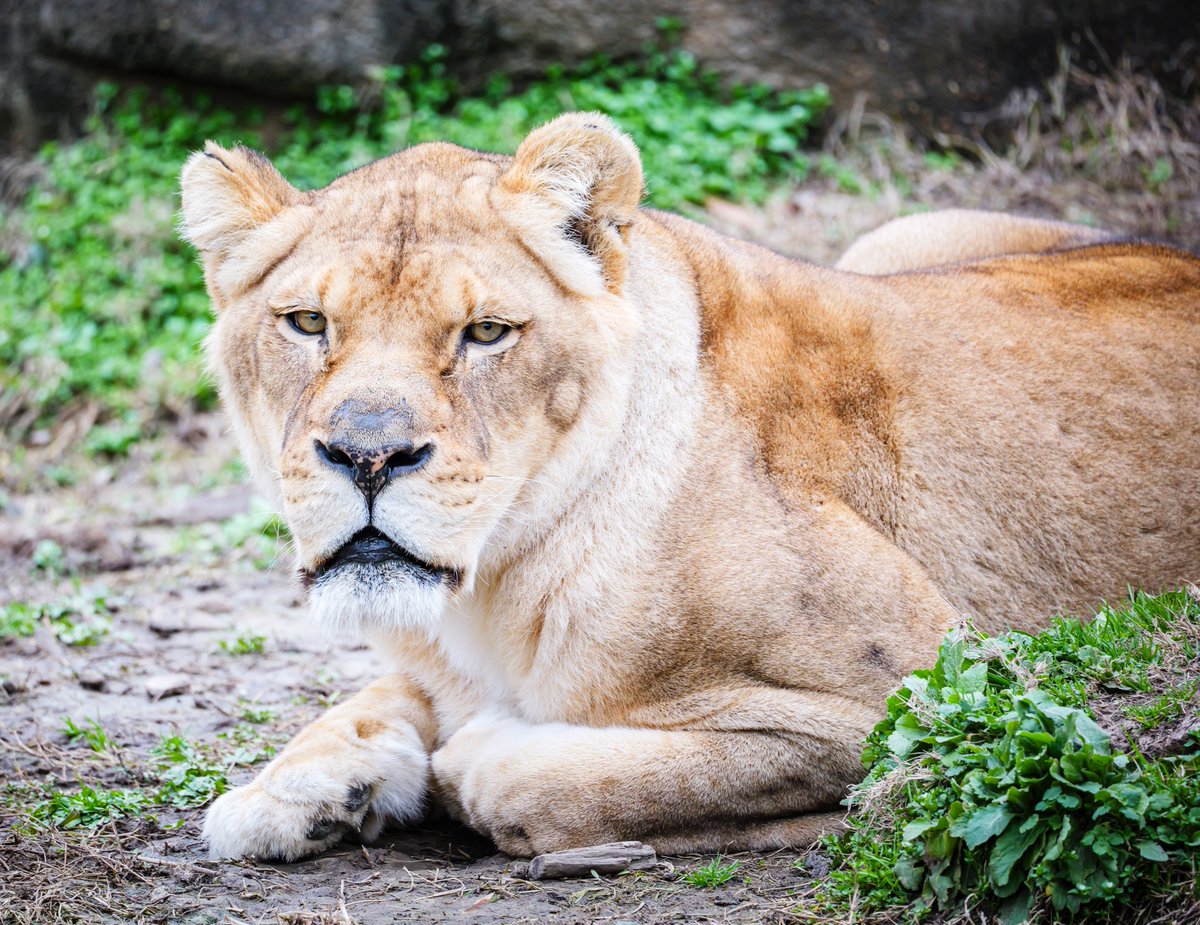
(153,647)
(799,124)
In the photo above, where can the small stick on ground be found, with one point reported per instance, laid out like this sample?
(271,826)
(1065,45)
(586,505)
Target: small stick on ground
(603,859)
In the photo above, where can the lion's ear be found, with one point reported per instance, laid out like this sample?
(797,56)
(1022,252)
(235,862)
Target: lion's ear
(228,194)
(577,183)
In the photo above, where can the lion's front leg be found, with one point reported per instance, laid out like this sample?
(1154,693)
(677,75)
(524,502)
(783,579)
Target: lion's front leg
(535,788)
(363,764)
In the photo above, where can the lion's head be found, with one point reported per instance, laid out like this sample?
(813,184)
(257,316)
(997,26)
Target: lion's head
(408,351)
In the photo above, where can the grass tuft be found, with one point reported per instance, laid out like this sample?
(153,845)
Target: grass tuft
(712,874)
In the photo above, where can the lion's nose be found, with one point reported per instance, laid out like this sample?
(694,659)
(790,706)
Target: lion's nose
(373,468)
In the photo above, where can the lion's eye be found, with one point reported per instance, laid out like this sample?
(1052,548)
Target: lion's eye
(307,322)
(487,332)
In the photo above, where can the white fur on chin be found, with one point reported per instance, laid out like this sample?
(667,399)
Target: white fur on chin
(362,599)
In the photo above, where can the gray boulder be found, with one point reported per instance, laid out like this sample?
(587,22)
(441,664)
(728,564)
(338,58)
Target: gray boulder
(929,61)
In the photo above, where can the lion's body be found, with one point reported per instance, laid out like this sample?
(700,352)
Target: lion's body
(680,535)
(1025,427)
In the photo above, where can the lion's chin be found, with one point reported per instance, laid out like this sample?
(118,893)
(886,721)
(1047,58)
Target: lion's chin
(363,599)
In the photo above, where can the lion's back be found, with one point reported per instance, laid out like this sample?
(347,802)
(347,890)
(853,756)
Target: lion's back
(1050,426)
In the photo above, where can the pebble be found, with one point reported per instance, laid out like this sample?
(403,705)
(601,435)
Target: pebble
(167,624)
(12,686)
(92,680)
(167,685)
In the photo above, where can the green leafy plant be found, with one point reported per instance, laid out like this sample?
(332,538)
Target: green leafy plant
(712,874)
(184,774)
(245,644)
(187,778)
(18,620)
(49,558)
(76,621)
(250,745)
(88,808)
(1002,787)
(259,533)
(256,713)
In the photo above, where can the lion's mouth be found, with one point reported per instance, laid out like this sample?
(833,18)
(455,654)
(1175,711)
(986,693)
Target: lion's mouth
(370,547)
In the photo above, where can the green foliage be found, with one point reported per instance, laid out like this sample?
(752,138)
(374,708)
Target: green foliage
(847,179)
(947,161)
(104,307)
(990,780)
(257,713)
(49,558)
(712,874)
(250,745)
(1159,175)
(1167,707)
(76,621)
(866,876)
(187,778)
(88,808)
(259,533)
(184,775)
(90,732)
(18,620)
(245,644)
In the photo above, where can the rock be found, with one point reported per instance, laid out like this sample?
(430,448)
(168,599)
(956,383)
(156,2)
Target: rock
(92,680)
(167,624)
(277,47)
(12,686)
(603,859)
(167,685)
(926,60)
(932,61)
(817,864)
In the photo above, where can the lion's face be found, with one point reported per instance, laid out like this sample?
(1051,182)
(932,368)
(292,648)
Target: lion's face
(409,353)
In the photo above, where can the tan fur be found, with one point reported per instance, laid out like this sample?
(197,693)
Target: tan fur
(704,510)
(934,239)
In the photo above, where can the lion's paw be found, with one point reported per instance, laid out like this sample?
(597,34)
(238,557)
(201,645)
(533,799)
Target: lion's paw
(300,805)
(513,781)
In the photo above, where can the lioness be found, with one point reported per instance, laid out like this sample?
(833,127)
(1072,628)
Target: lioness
(648,522)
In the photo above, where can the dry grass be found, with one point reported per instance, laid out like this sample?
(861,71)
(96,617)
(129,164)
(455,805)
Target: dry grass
(1113,149)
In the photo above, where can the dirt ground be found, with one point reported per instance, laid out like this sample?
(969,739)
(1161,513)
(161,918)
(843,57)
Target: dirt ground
(170,541)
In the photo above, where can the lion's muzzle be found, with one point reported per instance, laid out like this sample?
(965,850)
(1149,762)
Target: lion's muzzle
(375,553)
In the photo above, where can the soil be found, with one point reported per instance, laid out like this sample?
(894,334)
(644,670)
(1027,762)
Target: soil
(169,540)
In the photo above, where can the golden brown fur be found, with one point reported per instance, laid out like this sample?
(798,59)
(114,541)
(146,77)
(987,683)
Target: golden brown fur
(683,529)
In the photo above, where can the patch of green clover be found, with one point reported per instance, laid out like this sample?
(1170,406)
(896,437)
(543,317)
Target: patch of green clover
(990,782)
(102,306)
